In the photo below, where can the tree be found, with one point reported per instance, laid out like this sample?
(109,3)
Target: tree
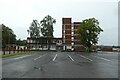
(88,32)
(21,42)
(34,29)
(8,36)
(47,28)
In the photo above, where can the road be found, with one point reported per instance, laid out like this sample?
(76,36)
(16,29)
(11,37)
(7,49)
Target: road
(61,65)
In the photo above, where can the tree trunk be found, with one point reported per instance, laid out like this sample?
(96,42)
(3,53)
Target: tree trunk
(48,45)
(4,50)
(88,49)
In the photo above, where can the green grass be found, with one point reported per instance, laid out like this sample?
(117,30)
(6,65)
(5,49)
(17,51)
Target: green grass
(13,54)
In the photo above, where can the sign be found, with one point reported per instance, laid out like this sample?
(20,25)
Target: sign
(59,42)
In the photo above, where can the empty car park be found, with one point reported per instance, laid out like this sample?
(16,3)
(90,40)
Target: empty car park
(61,65)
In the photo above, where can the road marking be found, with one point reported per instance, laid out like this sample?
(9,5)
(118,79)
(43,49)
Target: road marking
(85,57)
(70,57)
(54,57)
(21,57)
(39,57)
(102,58)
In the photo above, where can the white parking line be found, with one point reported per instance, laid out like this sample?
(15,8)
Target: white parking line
(85,57)
(39,57)
(70,57)
(21,57)
(54,57)
(102,58)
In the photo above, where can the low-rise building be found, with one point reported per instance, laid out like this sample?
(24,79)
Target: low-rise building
(44,43)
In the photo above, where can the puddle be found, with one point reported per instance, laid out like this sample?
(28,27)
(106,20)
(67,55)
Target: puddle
(41,68)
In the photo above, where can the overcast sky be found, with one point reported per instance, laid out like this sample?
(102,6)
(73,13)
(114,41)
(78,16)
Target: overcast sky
(18,14)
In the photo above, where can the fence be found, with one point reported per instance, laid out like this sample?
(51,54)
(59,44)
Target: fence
(13,49)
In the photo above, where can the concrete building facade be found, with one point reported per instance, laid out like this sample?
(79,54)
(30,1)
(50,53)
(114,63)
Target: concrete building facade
(44,43)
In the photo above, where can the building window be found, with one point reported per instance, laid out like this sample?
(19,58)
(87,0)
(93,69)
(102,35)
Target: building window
(64,36)
(53,41)
(28,41)
(44,46)
(72,38)
(72,49)
(64,31)
(53,46)
(72,28)
(34,41)
(72,44)
(40,46)
(72,33)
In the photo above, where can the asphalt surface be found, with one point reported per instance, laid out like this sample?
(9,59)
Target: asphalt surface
(61,65)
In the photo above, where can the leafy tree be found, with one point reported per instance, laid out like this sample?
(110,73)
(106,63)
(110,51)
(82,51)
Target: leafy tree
(47,24)
(34,29)
(8,36)
(21,42)
(47,28)
(88,31)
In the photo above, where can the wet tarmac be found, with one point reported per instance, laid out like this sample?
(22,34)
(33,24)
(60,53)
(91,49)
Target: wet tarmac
(61,65)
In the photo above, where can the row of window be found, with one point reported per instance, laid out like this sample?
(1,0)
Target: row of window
(72,33)
(41,46)
(34,41)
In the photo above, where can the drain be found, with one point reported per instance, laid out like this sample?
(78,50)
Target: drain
(41,68)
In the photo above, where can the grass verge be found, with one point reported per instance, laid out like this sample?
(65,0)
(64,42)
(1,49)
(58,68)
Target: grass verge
(13,54)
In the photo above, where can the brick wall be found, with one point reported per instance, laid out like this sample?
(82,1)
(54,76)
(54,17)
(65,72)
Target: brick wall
(69,32)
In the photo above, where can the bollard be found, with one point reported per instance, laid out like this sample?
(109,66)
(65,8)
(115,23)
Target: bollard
(9,50)
(21,49)
(18,49)
(24,49)
(14,49)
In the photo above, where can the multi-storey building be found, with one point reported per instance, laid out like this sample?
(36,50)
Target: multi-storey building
(69,41)
(69,35)
(66,33)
